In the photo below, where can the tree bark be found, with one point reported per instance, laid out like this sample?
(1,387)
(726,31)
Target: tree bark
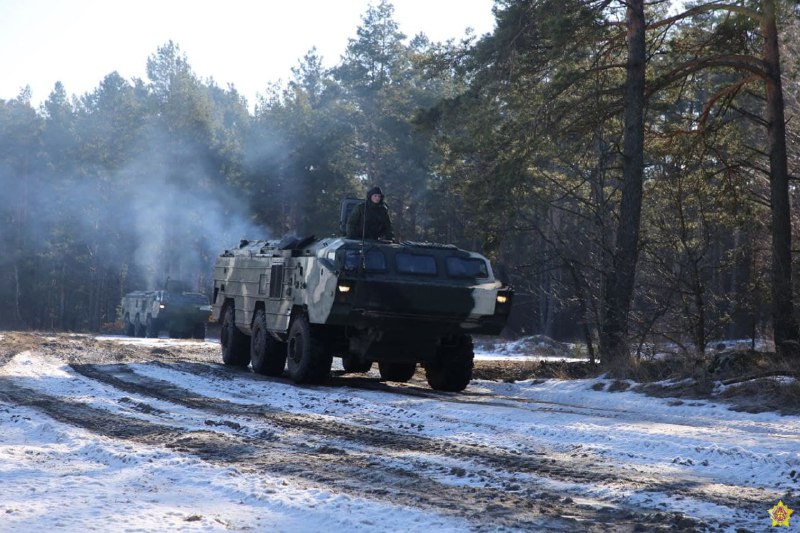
(785,329)
(17,298)
(618,289)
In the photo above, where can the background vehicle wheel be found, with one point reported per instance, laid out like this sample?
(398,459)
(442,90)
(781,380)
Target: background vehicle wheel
(199,331)
(138,327)
(130,331)
(267,355)
(400,372)
(235,345)
(307,359)
(151,328)
(352,363)
(451,370)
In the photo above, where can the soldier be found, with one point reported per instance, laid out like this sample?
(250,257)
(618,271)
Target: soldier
(376,224)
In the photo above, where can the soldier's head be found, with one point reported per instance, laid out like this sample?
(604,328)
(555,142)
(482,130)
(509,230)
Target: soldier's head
(375,195)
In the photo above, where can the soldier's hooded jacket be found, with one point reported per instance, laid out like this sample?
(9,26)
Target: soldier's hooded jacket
(376,224)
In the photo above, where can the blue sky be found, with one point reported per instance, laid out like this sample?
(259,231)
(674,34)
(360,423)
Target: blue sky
(247,43)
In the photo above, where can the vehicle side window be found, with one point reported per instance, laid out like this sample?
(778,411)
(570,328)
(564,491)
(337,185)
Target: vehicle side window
(374,260)
(415,264)
(466,267)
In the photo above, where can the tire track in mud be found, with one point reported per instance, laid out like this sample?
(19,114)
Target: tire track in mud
(234,374)
(342,380)
(329,469)
(411,389)
(568,469)
(478,502)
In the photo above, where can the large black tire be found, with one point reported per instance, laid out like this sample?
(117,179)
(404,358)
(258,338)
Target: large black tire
(353,364)
(308,361)
(451,369)
(199,331)
(235,344)
(138,327)
(179,334)
(400,372)
(267,354)
(129,329)
(151,328)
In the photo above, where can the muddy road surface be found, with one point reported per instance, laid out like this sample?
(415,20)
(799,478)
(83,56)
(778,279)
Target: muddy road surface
(497,457)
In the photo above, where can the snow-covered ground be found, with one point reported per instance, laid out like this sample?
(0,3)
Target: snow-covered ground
(178,445)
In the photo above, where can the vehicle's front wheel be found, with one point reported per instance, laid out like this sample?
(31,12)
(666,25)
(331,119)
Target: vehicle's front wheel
(267,354)
(235,345)
(451,369)
(400,372)
(307,359)
(352,364)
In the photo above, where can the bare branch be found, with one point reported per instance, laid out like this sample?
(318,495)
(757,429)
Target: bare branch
(737,62)
(726,92)
(707,8)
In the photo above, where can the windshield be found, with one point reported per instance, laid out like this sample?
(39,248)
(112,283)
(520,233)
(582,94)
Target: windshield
(416,264)
(374,260)
(466,267)
(186,298)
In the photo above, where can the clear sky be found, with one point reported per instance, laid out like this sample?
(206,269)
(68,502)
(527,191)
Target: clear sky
(248,43)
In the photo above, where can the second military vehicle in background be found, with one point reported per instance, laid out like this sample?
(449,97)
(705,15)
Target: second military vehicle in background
(177,309)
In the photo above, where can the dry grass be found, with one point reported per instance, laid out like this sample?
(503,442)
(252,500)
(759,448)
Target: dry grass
(748,380)
(511,371)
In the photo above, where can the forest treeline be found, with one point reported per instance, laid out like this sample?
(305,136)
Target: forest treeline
(620,162)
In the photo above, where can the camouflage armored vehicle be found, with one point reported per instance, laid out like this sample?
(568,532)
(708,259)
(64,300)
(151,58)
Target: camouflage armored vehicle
(299,303)
(175,308)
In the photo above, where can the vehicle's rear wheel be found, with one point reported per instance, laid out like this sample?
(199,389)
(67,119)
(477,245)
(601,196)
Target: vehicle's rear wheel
(151,328)
(267,354)
(353,364)
(199,331)
(400,372)
(138,327)
(179,333)
(307,359)
(235,345)
(451,369)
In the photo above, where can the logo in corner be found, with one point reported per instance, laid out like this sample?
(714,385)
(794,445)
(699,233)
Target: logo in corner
(780,514)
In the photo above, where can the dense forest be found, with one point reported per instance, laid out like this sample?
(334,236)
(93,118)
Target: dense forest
(629,167)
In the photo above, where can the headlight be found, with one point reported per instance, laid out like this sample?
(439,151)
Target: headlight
(502,298)
(161,306)
(344,288)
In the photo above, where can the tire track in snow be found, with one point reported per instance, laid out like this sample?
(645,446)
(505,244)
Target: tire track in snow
(561,468)
(109,352)
(328,469)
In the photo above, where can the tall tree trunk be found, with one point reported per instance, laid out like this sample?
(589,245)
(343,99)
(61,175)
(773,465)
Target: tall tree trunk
(17,298)
(618,289)
(785,328)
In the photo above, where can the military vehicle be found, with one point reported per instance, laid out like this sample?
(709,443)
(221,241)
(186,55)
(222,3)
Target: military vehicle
(176,308)
(295,304)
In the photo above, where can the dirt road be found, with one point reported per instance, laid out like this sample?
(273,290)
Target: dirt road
(402,444)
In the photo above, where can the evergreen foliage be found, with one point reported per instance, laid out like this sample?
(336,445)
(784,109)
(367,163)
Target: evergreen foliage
(511,143)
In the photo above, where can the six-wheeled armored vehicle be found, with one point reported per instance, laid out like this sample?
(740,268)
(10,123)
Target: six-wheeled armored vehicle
(293,305)
(176,308)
